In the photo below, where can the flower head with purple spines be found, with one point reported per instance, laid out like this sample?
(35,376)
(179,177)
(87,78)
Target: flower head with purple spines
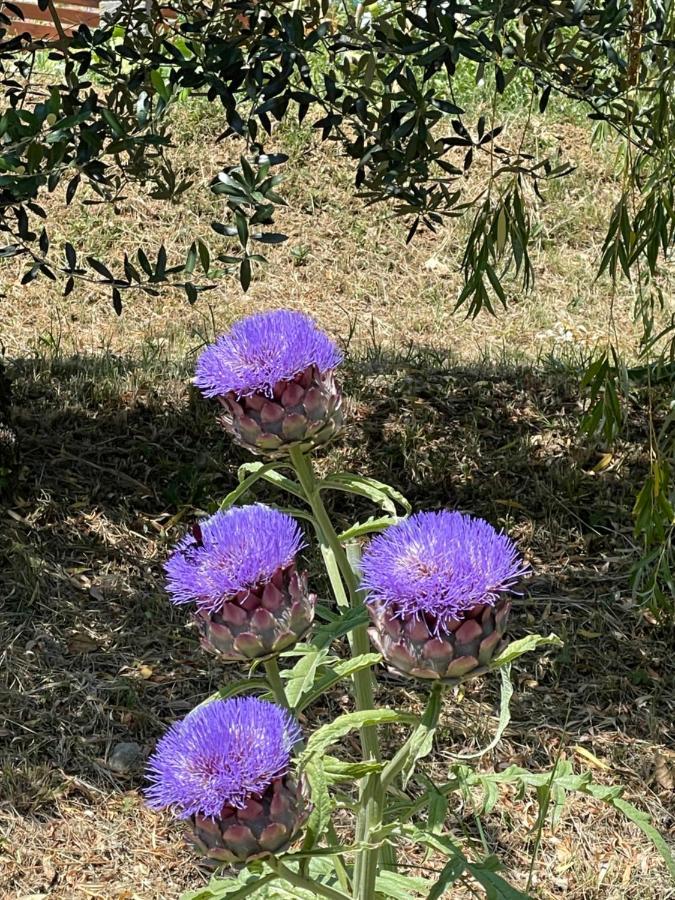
(236,550)
(219,755)
(262,350)
(438,565)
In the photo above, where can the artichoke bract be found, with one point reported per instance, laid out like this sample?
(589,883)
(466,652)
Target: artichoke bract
(410,647)
(239,568)
(436,588)
(226,770)
(260,621)
(267,824)
(273,374)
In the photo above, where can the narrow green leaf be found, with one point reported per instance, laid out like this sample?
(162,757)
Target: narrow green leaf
(348,621)
(523,645)
(504,714)
(343,669)
(639,818)
(373,524)
(377,491)
(246,885)
(245,486)
(322,805)
(337,771)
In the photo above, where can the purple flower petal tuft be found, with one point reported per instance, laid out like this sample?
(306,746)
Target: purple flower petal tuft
(219,755)
(262,350)
(439,565)
(238,549)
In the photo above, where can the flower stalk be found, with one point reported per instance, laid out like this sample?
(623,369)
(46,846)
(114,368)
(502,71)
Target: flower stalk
(371,798)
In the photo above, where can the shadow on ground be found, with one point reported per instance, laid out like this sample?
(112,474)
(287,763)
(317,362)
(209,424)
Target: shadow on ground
(117,456)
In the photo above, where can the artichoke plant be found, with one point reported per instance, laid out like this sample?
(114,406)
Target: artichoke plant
(273,374)
(226,770)
(239,568)
(435,588)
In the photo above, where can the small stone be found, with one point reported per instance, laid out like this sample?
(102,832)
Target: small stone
(126,757)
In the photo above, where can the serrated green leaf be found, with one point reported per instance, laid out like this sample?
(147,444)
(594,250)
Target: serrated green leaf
(337,770)
(523,645)
(322,805)
(397,886)
(333,731)
(350,619)
(504,713)
(247,884)
(273,477)
(343,669)
(301,677)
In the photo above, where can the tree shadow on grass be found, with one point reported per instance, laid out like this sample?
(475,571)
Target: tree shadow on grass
(118,456)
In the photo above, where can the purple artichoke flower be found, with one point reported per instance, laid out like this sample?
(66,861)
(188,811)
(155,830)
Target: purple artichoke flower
(225,769)
(273,373)
(241,574)
(436,588)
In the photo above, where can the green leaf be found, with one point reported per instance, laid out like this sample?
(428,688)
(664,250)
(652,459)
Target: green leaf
(372,524)
(437,809)
(496,888)
(421,742)
(450,872)
(337,771)
(639,818)
(301,677)
(344,669)
(113,121)
(521,646)
(245,486)
(273,477)
(245,273)
(504,714)
(322,805)
(246,885)
(159,85)
(377,491)
(397,886)
(333,731)
(348,621)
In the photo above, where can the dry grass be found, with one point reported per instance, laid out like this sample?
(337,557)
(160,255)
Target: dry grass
(117,454)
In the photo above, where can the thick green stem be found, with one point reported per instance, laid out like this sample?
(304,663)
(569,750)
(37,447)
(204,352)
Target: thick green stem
(314,887)
(275,682)
(371,800)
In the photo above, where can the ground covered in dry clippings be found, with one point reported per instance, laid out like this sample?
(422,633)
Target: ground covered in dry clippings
(117,455)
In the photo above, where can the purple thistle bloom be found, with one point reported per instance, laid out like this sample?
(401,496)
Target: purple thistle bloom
(220,755)
(239,549)
(262,350)
(439,565)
